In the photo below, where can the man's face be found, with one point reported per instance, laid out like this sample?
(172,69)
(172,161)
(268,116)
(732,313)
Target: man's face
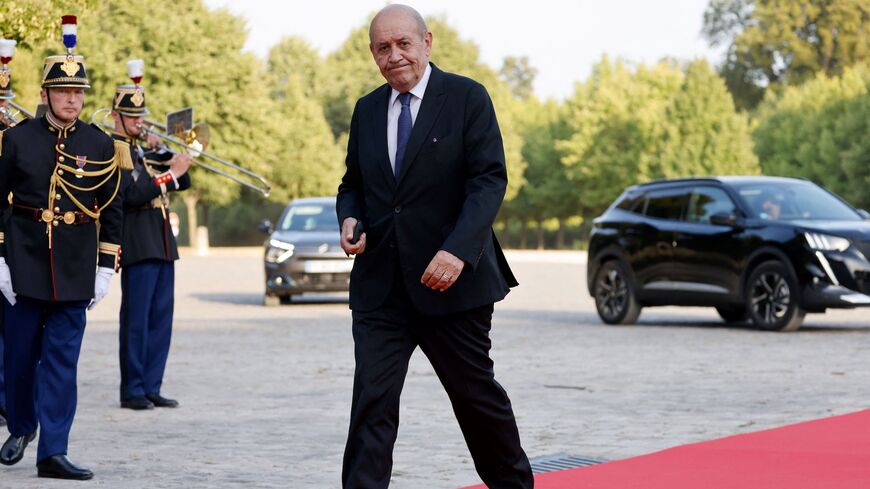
(129,125)
(66,102)
(399,49)
(3,102)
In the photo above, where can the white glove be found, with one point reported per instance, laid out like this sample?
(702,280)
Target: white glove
(101,285)
(6,282)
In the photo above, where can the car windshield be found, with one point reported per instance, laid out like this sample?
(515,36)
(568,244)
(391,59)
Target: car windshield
(310,217)
(790,201)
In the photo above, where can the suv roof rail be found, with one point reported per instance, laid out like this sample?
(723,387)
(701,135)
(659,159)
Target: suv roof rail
(679,180)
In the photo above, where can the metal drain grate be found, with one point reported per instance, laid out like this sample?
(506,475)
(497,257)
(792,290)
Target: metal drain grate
(560,461)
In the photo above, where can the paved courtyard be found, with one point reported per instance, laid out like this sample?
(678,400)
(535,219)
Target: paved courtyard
(265,392)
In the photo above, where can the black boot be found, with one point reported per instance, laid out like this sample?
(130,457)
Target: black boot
(137,403)
(13,449)
(60,467)
(160,401)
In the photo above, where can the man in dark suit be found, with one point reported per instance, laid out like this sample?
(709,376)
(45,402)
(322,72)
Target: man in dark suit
(426,176)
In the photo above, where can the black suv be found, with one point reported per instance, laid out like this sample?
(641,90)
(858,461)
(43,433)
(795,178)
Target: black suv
(764,249)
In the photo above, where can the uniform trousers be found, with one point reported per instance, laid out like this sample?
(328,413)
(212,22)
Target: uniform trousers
(147,301)
(457,346)
(41,358)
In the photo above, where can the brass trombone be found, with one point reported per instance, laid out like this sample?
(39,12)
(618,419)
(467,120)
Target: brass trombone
(13,113)
(194,141)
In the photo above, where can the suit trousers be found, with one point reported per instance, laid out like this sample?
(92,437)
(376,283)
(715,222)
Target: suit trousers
(41,358)
(147,302)
(457,346)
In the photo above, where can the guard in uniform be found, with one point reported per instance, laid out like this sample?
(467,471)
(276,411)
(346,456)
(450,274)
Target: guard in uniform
(150,250)
(7,50)
(55,261)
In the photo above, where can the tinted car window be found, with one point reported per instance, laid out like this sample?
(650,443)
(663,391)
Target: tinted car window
(706,201)
(310,217)
(631,202)
(667,204)
(793,201)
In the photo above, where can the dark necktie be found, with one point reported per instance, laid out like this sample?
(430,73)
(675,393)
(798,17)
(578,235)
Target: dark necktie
(403,131)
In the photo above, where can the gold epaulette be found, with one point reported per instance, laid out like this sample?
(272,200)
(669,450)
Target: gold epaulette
(122,155)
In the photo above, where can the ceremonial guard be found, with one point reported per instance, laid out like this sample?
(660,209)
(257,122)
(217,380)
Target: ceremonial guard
(55,262)
(150,250)
(7,50)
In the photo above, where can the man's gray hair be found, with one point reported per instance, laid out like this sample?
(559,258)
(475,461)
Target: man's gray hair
(421,24)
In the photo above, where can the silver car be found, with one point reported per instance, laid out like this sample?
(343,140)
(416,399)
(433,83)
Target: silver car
(303,253)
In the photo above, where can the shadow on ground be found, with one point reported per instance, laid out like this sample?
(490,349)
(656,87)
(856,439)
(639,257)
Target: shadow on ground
(256,299)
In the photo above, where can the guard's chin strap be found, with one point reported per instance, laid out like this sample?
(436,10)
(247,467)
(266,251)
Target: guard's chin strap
(124,126)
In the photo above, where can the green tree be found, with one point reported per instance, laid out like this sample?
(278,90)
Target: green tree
(547,193)
(774,43)
(193,58)
(311,161)
(629,126)
(819,131)
(33,22)
(519,74)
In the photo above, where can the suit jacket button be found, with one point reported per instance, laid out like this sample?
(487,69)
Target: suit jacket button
(392,244)
(398,209)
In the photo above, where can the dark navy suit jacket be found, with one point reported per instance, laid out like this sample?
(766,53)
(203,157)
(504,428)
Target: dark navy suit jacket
(446,198)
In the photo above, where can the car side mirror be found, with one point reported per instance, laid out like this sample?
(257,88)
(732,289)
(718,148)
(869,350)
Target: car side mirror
(724,219)
(265,227)
(864,214)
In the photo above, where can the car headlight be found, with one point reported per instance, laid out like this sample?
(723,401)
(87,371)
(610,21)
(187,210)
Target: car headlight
(826,242)
(279,251)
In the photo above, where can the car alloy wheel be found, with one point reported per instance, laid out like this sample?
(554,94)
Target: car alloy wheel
(614,297)
(771,297)
(773,304)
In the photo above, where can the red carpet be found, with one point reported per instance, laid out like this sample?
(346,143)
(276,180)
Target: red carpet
(830,453)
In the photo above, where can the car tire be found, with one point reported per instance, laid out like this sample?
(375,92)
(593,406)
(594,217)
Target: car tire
(733,314)
(614,295)
(772,299)
(286,299)
(270,300)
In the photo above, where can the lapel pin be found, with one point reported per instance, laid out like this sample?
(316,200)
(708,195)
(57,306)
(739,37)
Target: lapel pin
(434,140)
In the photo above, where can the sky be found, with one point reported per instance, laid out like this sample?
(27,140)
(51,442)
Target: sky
(562,39)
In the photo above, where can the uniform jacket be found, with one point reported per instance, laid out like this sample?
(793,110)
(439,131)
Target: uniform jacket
(147,233)
(29,158)
(446,198)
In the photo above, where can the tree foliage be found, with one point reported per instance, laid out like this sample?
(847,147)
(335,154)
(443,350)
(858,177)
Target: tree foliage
(33,22)
(654,122)
(819,131)
(774,43)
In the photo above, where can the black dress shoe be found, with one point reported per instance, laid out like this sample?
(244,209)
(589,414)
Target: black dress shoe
(60,467)
(13,450)
(137,403)
(161,401)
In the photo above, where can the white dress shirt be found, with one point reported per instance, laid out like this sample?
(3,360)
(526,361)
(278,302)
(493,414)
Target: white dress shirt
(395,108)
